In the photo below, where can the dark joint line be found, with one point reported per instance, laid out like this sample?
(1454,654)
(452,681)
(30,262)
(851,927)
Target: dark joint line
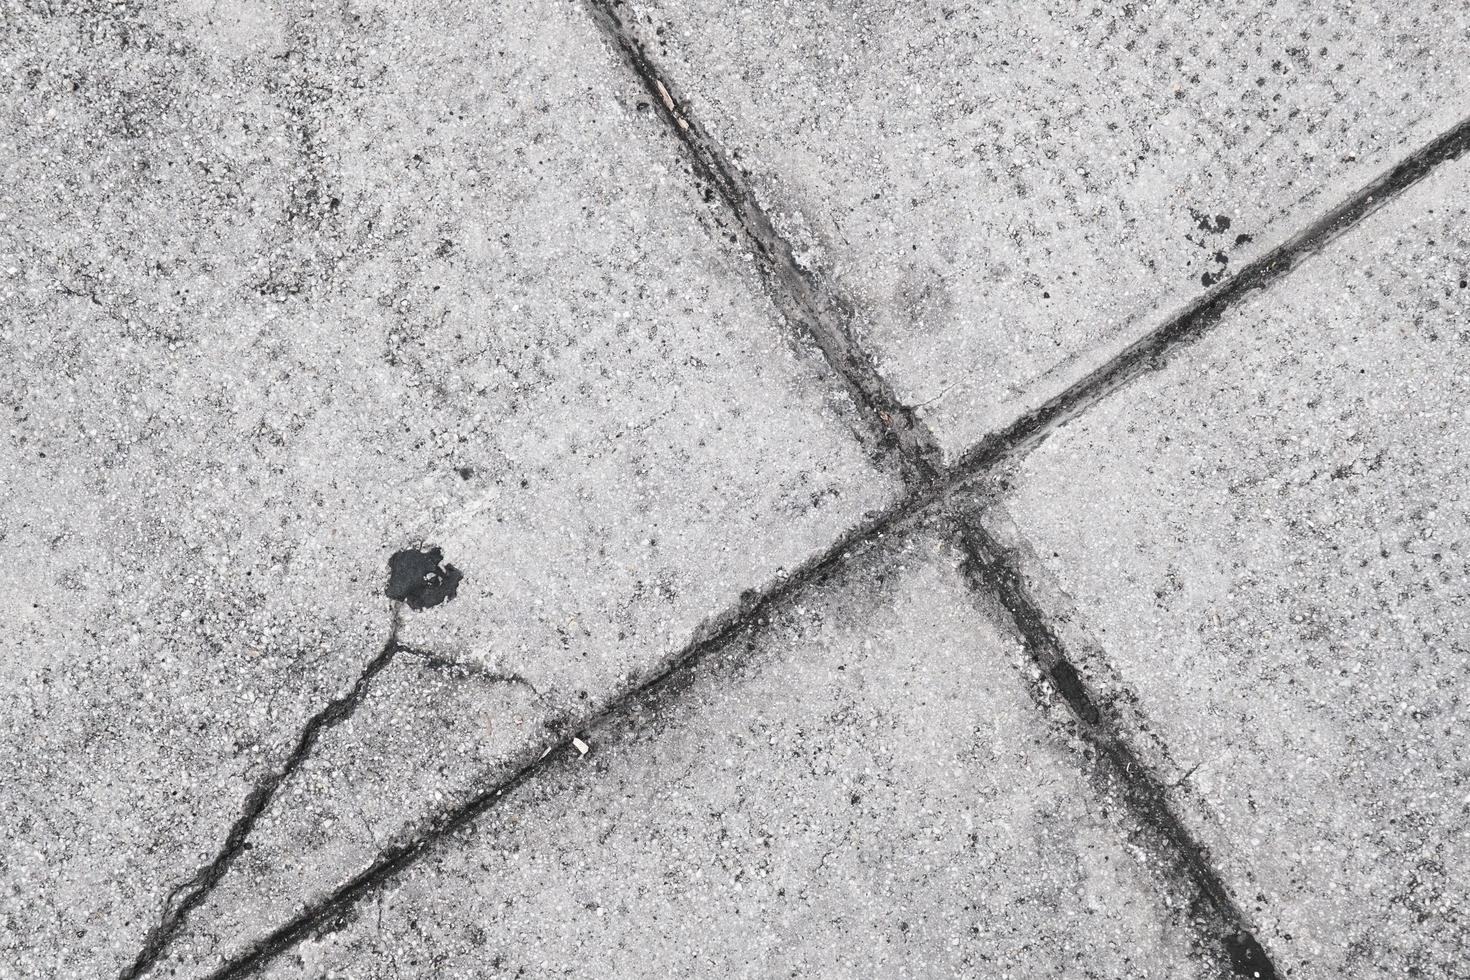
(815,307)
(826,316)
(1152,351)
(993,571)
(754,608)
(390,862)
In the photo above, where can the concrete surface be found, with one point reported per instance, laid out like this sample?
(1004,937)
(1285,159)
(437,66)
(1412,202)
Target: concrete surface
(391,390)
(864,787)
(286,290)
(1265,546)
(1011,192)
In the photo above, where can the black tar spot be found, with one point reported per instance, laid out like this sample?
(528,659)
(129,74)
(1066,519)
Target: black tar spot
(1221,223)
(421,578)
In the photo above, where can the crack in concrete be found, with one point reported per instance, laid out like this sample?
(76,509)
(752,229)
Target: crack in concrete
(826,317)
(191,893)
(459,670)
(185,897)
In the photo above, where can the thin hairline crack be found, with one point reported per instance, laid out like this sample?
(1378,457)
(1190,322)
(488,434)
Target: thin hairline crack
(194,890)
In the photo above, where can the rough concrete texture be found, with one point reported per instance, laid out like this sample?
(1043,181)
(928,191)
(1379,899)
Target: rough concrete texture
(393,391)
(1011,192)
(1265,545)
(862,787)
(288,288)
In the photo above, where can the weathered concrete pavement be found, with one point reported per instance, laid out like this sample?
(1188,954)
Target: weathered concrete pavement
(284,305)
(797,564)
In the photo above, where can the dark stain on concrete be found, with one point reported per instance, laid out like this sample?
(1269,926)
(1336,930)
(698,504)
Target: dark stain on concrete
(421,578)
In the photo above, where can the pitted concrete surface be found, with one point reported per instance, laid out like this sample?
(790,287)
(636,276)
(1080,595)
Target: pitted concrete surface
(284,297)
(862,787)
(476,502)
(1010,193)
(1266,544)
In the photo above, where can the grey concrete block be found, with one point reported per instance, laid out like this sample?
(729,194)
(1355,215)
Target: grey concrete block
(286,289)
(861,787)
(1260,552)
(1009,193)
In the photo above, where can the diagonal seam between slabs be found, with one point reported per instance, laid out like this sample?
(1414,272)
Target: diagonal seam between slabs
(988,570)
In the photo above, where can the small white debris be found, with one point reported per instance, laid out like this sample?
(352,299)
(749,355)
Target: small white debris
(581,745)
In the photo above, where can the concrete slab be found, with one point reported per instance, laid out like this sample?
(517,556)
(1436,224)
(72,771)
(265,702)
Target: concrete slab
(1010,192)
(1264,546)
(289,288)
(863,787)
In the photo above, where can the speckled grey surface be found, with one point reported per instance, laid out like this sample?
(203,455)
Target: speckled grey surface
(861,788)
(391,389)
(1010,192)
(1266,545)
(287,289)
